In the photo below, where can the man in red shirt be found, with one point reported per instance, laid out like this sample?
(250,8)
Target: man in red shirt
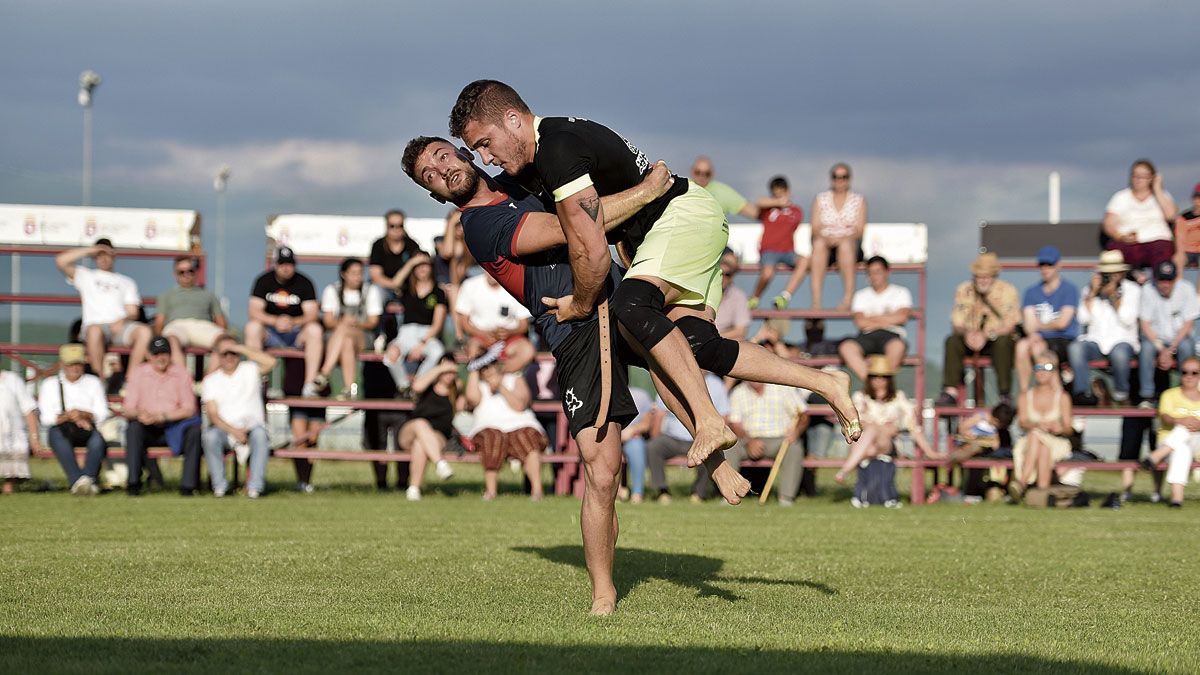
(161,408)
(780,218)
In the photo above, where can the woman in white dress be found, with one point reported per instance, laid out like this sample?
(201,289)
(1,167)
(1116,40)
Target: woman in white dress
(18,430)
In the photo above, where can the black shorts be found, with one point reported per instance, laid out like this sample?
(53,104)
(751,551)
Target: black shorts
(1059,347)
(875,341)
(858,255)
(578,371)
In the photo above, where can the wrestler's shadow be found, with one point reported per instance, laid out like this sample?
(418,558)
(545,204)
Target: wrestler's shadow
(634,566)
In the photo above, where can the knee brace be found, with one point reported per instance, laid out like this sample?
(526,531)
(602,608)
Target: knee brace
(712,351)
(638,306)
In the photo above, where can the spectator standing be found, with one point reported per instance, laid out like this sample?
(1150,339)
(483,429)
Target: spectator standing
(160,405)
(1049,315)
(430,426)
(489,316)
(1044,414)
(1179,435)
(777,247)
(733,316)
(985,314)
(187,315)
(1187,234)
(1167,313)
(19,433)
(109,301)
(505,426)
(233,400)
(765,417)
(349,309)
(1138,219)
(390,252)
(418,344)
(1108,309)
(880,311)
(72,404)
(885,413)
(670,438)
(633,444)
(839,218)
(731,202)
(284,313)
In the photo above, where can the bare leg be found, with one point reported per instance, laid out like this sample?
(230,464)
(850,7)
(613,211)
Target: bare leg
(349,358)
(858,450)
(1024,364)
(894,350)
(765,274)
(598,517)
(94,339)
(490,484)
(1043,466)
(1127,479)
(177,355)
(410,442)
(852,355)
(333,349)
(311,340)
(847,260)
(255,332)
(533,471)
(797,276)
(820,262)
(140,345)
(1032,451)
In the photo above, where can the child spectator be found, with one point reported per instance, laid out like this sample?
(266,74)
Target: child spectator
(779,218)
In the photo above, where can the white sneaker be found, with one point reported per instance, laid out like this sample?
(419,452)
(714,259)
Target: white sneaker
(443,470)
(309,390)
(218,492)
(892,504)
(413,493)
(305,488)
(515,465)
(253,494)
(84,486)
(857,503)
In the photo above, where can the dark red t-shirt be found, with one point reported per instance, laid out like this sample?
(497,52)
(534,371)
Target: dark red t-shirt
(779,228)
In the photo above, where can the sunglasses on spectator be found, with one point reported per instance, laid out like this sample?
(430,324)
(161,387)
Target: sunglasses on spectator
(395,226)
(702,173)
(840,176)
(1048,367)
(1191,372)
(187,271)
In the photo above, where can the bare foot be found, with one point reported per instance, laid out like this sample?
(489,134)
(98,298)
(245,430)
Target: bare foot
(840,476)
(489,496)
(733,485)
(603,606)
(839,400)
(709,439)
(844,305)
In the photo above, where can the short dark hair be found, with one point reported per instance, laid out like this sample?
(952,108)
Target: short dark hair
(878,259)
(414,149)
(184,258)
(394,212)
(1004,414)
(778,182)
(483,100)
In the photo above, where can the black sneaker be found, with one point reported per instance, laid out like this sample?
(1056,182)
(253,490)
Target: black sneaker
(945,400)
(1146,464)
(133,490)
(1175,505)
(1087,399)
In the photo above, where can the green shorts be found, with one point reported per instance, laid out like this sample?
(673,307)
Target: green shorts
(684,248)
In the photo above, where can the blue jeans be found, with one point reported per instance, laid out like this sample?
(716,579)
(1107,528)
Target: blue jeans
(1080,352)
(635,456)
(64,450)
(215,443)
(1146,363)
(774,258)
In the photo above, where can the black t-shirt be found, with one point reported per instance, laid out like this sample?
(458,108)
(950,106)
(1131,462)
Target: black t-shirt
(437,410)
(284,298)
(570,148)
(490,231)
(419,310)
(391,263)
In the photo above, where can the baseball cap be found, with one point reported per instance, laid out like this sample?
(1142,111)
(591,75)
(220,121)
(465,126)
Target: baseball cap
(1048,255)
(284,255)
(1165,271)
(160,345)
(71,353)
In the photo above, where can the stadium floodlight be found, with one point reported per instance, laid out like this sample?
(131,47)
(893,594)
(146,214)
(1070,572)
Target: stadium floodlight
(88,81)
(219,183)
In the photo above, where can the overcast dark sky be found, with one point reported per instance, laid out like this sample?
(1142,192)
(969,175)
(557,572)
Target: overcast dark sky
(949,112)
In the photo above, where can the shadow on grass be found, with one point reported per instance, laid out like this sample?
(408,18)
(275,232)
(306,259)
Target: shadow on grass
(156,655)
(634,565)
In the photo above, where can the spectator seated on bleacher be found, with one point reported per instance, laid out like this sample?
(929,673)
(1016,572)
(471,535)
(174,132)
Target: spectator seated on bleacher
(72,405)
(349,309)
(633,445)
(431,424)
(19,433)
(284,313)
(733,316)
(765,417)
(670,438)
(777,248)
(839,218)
(160,405)
(233,400)
(187,315)
(390,252)
(109,302)
(1187,234)
(418,346)
(985,314)
(731,202)
(885,412)
(1049,311)
(1108,310)
(880,312)
(1137,219)
(1044,414)
(1179,436)
(504,425)
(980,433)
(1168,312)
(489,316)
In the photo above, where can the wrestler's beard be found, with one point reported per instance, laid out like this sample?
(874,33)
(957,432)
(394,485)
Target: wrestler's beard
(467,188)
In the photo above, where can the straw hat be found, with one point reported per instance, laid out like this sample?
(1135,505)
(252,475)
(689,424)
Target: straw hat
(986,265)
(878,364)
(1112,261)
(71,353)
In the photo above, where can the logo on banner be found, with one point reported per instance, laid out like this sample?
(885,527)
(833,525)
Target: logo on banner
(151,228)
(30,224)
(283,236)
(343,237)
(89,226)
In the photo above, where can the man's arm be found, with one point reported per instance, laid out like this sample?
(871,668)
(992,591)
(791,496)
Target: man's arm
(66,260)
(582,218)
(750,211)
(258,311)
(312,313)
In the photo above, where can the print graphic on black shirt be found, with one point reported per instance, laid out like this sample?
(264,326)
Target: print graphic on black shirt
(284,298)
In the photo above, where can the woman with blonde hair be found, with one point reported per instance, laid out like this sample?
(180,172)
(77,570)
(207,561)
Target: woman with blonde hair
(1044,414)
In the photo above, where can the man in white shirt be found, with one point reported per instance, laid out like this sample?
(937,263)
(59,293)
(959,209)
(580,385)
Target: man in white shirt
(109,301)
(233,400)
(1108,311)
(880,311)
(1168,312)
(670,438)
(489,318)
(765,416)
(72,404)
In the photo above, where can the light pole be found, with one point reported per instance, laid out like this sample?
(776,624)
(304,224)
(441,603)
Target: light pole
(88,81)
(219,183)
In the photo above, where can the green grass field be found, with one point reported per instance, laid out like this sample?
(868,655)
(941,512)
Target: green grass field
(350,579)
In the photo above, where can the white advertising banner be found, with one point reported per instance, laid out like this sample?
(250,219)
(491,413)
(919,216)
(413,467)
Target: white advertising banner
(344,236)
(900,243)
(42,225)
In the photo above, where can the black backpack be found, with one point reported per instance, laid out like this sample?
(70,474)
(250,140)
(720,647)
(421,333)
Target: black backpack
(876,481)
